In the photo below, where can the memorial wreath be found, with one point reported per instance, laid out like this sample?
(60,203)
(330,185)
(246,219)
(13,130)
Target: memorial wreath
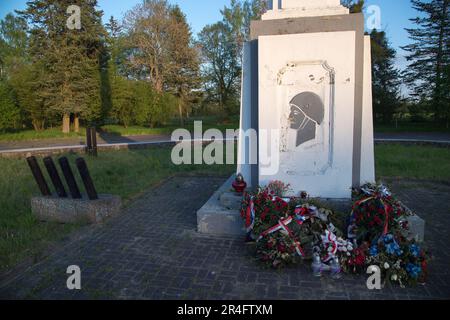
(287,230)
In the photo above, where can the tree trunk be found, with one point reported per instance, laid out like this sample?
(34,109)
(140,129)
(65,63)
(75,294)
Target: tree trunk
(76,123)
(180,110)
(66,123)
(38,125)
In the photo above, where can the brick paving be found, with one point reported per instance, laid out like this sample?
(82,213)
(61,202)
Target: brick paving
(152,251)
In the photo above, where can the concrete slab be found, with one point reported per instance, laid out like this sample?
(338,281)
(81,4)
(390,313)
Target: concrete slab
(221,214)
(67,210)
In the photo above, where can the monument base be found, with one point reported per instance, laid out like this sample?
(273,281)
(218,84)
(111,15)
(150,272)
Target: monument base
(66,210)
(221,214)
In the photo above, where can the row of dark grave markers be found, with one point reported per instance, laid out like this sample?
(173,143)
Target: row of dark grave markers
(68,175)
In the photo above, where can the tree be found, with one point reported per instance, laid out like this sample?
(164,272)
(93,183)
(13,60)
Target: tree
(429,56)
(13,58)
(148,27)
(221,69)
(355,6)
(27,82)
(13,43)
(116,46)
(9,111)
(186,61)
(123,100)
(152,108)
(162,51)
(238,17)
(385,77)
(221,45)
(72,59)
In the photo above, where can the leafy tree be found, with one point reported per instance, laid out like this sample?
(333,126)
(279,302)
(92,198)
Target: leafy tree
(13,43)
(385,77)
(185,81)
(72,58)
(239,16)
(161,52)
(221,69)
(221,45)
(429,56)
(123,100)
(355,6)
(26,83)
(151,107)
(148,27)
(9,111)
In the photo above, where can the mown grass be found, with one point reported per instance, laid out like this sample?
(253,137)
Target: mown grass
(56,133)
(417,127)
(129,173)
(419,162)
(28,135)
(125,173)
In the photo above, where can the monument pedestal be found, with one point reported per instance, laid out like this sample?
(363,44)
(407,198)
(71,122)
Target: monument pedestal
(67,210)
(221,214)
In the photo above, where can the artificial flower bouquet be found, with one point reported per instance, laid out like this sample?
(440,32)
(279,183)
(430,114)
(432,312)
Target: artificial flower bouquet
(290,230)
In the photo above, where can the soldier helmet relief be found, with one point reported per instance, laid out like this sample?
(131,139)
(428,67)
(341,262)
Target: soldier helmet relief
(307,112)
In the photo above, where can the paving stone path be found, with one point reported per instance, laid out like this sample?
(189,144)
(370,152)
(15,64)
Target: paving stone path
(152,251)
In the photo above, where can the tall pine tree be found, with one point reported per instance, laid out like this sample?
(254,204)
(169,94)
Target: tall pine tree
(72,59)
(429,56)
(385,77)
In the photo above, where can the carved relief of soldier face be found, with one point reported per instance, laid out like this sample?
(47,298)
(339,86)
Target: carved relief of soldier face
(307,112)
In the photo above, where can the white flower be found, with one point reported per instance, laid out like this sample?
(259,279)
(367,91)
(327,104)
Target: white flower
(386,265)
(394,277)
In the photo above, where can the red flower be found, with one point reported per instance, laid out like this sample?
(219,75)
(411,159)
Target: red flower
(378,220)
(360,260)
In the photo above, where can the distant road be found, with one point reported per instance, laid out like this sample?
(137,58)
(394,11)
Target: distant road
(419,136)
(105,141)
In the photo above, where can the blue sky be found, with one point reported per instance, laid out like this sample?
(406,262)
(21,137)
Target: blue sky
(394,15)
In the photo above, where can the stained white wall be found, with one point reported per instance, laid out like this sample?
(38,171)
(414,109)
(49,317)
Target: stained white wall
(367,141)
(245,123)
(337,49)
(282,9)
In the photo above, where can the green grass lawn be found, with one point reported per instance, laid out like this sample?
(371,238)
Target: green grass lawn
(129,173)
(418,127)
(125,173)
(28,135)
(420,162)
(55,133)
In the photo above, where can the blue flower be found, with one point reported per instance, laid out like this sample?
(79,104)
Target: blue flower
(388,238)
(393,248)
(373,251)
(413,270)
(415,250)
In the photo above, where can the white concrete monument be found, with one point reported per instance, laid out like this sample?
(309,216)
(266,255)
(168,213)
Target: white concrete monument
(306,92)
(306,89)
